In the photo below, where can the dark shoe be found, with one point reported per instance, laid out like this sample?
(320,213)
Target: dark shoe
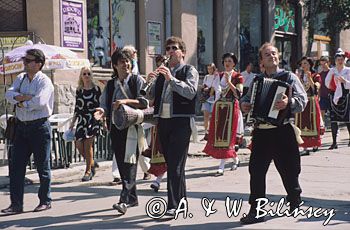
(170,212)
(155,186)
(42,207)
(121,208)
(116,181)
(146,176)
(333,146)
(93,168)
(205,138)
(87,177)
(315,149)
(349,144)
(250,219)
(305,153)
(12,210)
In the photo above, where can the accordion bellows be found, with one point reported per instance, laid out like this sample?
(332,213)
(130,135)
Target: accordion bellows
(265,93)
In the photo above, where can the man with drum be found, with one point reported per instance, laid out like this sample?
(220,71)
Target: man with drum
(124,88)
(277,143)
(174,95)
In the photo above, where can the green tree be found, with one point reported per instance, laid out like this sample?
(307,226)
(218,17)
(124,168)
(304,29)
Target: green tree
(337,19)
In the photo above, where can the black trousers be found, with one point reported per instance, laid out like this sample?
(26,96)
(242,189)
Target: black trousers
(127,171)
(174,136)
(278,144)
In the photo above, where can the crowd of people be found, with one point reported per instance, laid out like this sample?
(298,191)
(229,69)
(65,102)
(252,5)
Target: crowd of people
(292,125)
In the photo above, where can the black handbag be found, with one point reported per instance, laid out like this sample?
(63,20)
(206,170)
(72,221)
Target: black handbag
(10,128)
(11,122)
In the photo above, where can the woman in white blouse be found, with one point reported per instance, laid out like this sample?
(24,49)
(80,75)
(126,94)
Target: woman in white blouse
(338,82)
(211,87)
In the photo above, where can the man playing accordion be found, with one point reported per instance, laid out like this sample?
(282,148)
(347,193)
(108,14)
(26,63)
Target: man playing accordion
(278,143)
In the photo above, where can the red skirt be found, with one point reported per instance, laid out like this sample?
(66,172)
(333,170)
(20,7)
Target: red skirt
(223,130)
(158,165)
(309,122)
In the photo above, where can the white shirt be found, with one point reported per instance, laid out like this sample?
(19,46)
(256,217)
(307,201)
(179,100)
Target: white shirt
(213,80)
(345,73)
(248,78)
(42,90)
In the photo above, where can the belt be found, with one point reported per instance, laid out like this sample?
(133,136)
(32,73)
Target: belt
(33,121)
(99,48)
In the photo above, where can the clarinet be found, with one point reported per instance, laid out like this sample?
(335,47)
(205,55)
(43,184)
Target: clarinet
(147,87)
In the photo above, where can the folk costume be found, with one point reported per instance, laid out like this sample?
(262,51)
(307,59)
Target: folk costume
(309,121)
(224,122)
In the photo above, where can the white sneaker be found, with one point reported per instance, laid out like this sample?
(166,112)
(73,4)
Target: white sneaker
(220,172)
(235,164)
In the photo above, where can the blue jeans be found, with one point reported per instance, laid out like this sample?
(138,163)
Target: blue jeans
(31,138)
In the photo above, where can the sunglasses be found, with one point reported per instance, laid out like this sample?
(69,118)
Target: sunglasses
(171,47)
(27,60)
(86,74)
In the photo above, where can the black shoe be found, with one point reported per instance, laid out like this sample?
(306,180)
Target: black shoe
(12,210)
(250,219)
(170,212)
(116,181)
(155,186)
(121,208)
(315,149)
(87,177)
(333,146)
(205,137)
(42,207)
(146,176)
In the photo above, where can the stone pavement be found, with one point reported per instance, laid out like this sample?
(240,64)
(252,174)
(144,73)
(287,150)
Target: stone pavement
(76,205)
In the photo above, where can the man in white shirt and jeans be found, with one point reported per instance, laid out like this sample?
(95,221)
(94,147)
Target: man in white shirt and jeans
(33,95)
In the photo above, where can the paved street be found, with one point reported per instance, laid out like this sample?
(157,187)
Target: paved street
(76,205)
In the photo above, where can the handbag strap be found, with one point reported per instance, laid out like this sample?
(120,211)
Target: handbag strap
(19,91)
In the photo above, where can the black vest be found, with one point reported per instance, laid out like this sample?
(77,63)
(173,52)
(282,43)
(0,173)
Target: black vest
(181,105)
(132,83)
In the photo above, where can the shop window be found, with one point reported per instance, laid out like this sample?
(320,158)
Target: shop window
(122,27)
(250,33)
(204,34)
(12,15)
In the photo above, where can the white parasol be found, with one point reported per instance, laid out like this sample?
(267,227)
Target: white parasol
(56,58)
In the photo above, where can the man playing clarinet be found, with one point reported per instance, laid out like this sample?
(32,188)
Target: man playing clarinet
(174,104)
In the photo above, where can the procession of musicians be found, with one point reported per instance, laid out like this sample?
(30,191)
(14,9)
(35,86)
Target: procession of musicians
(151,120)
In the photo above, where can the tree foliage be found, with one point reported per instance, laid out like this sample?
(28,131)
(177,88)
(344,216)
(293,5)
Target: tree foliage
(337,18)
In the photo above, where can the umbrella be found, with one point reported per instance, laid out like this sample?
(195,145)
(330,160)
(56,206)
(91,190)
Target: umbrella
(56,58)
(50,51)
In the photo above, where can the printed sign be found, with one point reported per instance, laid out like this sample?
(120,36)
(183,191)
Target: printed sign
(72,24)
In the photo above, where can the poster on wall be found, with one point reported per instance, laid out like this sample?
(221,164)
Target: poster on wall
(153,35)
(72,24)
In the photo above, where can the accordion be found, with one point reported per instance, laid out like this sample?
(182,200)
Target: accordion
(265,93)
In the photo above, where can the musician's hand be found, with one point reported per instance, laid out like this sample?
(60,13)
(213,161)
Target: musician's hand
(246,107)
(98,113)
(282,104)
(117,103)
(151,76)
(206,89)
(165,72)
